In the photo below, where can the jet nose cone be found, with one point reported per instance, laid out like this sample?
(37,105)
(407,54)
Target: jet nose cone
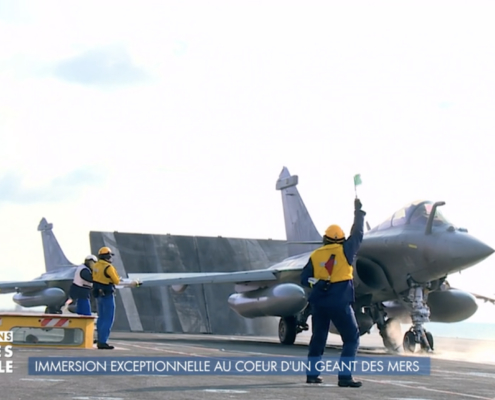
(479,250)
(472,250)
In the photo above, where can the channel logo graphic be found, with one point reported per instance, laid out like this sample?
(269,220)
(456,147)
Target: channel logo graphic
(6,336)
(6,366)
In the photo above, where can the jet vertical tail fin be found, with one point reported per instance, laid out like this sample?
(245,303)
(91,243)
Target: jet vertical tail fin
(54,256)
(299,226)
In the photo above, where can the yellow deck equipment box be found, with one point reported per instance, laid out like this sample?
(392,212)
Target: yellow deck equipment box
(48,330)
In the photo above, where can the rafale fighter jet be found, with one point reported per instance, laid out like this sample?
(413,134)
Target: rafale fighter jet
(400,272)
(51,289)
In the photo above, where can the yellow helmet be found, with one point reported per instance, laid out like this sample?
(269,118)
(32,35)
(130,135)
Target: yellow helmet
(335,232)
(105,250)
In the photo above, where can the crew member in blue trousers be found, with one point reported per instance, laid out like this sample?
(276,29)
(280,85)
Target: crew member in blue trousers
(80,290)
(105,277)
(329,273)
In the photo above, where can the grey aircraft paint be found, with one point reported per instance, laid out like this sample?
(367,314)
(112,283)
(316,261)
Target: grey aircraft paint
(403,263)
(400,274)
(49,289)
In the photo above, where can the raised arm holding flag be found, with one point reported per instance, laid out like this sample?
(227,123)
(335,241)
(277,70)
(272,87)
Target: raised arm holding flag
(357,182)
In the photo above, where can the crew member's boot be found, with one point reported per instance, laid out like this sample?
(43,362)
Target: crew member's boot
(349,383)
(104,346)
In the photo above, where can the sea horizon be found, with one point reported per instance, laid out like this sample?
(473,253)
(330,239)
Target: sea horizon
(460,330)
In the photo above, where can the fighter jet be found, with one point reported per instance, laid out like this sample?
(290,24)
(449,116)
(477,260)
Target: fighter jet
(401,273)
(51,289)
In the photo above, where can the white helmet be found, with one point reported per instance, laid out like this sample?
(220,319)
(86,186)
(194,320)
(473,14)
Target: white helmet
(91,257)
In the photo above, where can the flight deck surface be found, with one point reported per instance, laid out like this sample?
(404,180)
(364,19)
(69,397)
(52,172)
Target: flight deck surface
(454,378)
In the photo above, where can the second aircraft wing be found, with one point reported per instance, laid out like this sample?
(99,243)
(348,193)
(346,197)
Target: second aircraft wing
(485,298)
(191,278)
(12,287)
(292,266)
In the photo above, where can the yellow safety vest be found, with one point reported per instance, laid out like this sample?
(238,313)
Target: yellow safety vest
(341,270)
(105,273)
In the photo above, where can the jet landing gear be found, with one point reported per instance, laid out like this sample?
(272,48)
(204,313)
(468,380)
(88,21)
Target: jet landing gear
(417,297)
(53,310)
(289,327)
(389,329)
(414,337)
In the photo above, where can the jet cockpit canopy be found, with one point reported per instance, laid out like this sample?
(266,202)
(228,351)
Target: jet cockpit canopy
(415,213)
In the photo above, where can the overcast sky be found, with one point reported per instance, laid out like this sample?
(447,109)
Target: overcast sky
(177,117)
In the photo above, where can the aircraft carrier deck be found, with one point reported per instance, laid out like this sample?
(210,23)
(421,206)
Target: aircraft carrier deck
(454,375)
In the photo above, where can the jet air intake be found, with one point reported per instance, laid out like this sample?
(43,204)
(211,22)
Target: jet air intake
(284,300)
(370,274)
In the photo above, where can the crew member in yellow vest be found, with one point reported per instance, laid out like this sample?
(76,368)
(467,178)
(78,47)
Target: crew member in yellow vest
(105,277)
(329,273)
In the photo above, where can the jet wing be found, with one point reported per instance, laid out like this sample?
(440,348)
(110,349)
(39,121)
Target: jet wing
(479,296)
(485,298)
(291,266)
(191,278)
(12,287)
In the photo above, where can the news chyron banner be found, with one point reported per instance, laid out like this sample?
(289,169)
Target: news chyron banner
(6,353)
(227,366)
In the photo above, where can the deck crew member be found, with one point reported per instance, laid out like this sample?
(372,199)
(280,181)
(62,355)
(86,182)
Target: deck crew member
(105,277)
(329,273)
(80,290)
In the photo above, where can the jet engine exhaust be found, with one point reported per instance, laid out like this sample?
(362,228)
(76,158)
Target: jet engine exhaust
(50,297)
(284,300)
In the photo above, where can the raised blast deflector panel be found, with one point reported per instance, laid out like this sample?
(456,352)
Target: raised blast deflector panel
(51,297)
(283,300)
(199,308)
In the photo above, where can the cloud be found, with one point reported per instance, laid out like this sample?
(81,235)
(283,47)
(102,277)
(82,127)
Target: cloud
(103,66)
(62,188)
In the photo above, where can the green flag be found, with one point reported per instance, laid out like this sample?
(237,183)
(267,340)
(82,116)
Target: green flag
(357,179)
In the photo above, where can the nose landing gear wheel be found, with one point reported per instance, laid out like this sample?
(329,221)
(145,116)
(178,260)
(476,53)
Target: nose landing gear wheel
(429,338)
(287,330)
(410,342)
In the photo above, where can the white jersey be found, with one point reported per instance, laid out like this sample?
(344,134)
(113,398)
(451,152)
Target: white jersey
(78,280)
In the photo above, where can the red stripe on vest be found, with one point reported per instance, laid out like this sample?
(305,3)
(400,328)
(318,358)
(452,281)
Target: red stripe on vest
(329,264)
